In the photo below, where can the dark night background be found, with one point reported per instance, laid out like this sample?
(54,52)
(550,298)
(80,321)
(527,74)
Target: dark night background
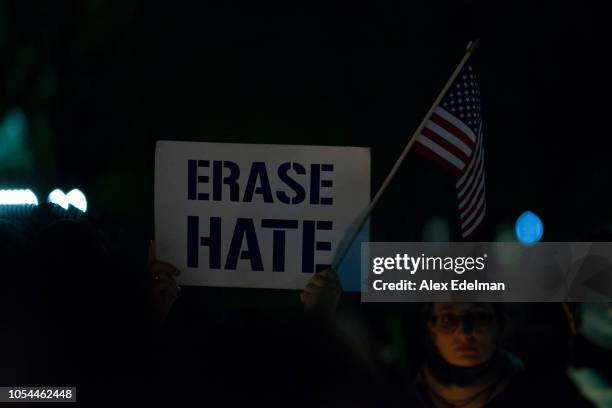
(96,83)
(99,82)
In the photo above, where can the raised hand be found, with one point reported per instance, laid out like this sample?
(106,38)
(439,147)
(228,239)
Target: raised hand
(321,295)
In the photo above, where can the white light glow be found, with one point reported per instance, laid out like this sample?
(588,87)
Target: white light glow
(58,197)
(16,197)
(77,199)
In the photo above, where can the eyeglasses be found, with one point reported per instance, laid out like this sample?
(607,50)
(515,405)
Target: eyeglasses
(450,322)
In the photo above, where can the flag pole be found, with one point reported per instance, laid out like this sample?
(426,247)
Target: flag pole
(470,49)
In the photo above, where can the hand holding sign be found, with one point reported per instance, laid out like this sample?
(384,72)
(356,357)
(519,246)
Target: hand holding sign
(165,288)
(322,293)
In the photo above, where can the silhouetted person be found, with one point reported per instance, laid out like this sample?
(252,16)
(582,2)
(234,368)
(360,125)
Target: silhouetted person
(464,365)
(83,315)
(13,264)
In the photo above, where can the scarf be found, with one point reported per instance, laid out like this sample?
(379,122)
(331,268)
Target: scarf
(456,387)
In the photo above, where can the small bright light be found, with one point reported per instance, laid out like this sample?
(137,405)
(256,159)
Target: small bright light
(529,228)
(18,197)
(74,198)
(77,199)
(58,197)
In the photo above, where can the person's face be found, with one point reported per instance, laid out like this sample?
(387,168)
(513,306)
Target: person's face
(465,334)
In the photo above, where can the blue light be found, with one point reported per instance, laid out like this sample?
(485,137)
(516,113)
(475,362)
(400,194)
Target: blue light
(529,228)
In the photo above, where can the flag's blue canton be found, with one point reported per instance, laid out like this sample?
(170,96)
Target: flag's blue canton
(463,98)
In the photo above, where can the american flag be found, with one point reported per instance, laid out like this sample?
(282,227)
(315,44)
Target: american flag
(452,136)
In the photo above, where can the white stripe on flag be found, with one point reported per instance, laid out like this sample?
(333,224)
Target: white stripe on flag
(472,162)
(442,152)
(471,185)
(476,223)
(473,209)
(449,117)
(480,189)
(449,137)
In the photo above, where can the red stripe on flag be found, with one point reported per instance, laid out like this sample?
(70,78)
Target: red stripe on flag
(427,152)
(473,201)
(476,183)
(470,169)
(445,144)
(480,211)
(450,128)
(478,227)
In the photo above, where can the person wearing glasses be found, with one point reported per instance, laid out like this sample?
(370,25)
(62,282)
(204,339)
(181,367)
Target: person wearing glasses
(464,364)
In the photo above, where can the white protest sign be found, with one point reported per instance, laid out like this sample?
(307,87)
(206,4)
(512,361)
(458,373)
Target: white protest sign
(259,216)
